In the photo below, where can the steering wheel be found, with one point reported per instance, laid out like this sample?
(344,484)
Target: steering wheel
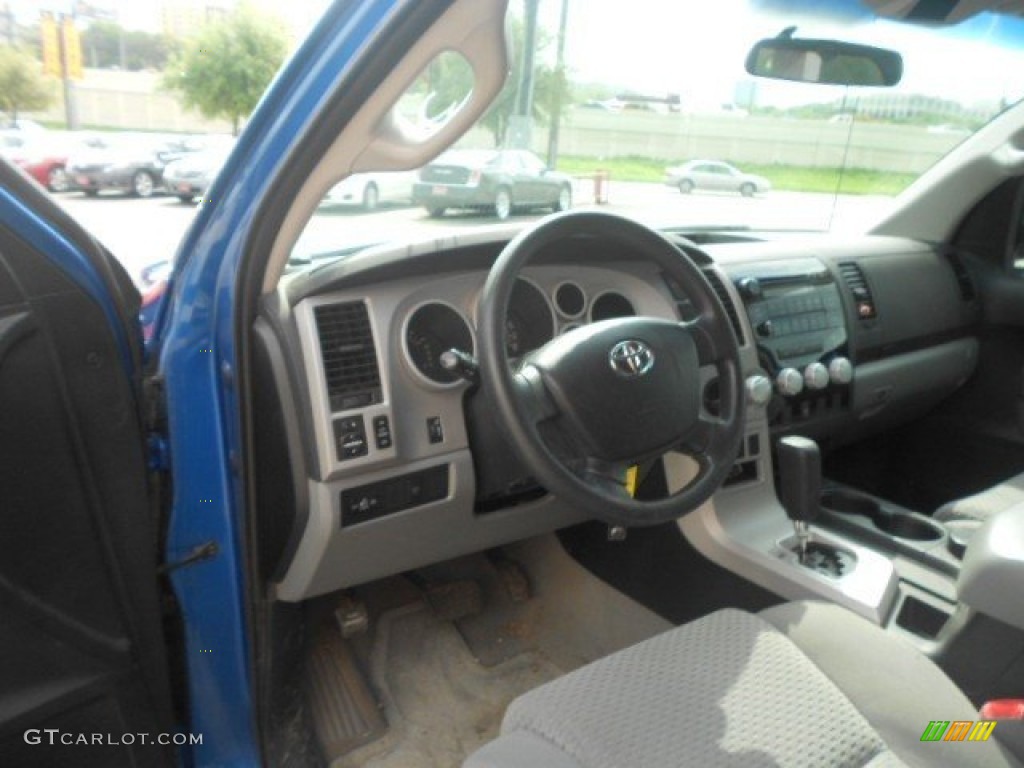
(593,402)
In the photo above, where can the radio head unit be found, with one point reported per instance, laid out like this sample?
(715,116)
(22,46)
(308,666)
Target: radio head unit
(795,311)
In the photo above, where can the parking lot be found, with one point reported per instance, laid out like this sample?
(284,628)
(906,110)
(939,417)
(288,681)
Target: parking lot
(142,232)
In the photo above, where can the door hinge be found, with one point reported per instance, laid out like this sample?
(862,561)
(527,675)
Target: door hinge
(204,551)
(158,450)
(158,453)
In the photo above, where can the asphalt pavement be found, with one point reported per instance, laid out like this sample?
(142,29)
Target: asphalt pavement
(142,232)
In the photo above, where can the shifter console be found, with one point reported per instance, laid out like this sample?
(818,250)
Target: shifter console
(800,494)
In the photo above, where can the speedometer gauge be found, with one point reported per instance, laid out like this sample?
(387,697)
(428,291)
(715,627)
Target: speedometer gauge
(431,330)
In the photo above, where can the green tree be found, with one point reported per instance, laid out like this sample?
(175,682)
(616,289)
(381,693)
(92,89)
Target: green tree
(22,84)
(103,43)
(224,70)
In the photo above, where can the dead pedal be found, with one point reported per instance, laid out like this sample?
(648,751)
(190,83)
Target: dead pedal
(344,711)
(454,600)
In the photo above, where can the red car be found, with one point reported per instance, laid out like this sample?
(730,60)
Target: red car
(42,160)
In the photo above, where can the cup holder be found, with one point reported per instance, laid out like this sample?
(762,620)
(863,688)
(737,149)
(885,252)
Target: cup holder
(850,503)
(899,524)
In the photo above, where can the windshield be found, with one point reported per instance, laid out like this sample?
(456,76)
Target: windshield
(652,114)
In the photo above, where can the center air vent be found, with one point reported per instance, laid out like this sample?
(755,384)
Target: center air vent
(863,301)
(963,277)
(349,355)
(726,299)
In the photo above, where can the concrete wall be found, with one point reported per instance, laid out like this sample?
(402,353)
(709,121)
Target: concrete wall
(135,100)
(763,140)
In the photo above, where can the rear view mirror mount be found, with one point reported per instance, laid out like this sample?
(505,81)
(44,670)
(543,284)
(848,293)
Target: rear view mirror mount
(824,62)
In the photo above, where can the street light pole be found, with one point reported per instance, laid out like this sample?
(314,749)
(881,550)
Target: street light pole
(560,83)
(70,105)
(521,122)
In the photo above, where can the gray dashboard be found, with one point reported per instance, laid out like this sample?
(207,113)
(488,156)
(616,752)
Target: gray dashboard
(389,475)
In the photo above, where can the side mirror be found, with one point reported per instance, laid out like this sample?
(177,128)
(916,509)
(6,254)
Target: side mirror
(826,62)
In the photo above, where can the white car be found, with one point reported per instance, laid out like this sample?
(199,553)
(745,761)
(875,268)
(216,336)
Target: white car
(369,190)
(715,175)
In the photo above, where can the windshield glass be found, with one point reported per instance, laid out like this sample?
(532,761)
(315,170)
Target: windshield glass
(652,114)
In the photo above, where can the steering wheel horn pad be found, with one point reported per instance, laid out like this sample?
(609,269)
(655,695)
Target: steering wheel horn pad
(617,410)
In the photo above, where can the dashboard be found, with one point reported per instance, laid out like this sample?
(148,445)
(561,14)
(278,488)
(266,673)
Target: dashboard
(396,460)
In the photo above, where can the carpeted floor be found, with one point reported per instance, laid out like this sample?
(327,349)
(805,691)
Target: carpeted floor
(441,702)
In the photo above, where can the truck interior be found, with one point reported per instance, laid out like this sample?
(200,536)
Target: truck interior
(479,534)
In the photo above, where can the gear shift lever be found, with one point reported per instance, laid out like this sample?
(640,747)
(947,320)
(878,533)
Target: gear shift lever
(800,486)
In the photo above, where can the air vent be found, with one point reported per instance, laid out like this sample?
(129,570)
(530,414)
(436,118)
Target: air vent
(963,277)
(863,301)
(349,355)
(726,299)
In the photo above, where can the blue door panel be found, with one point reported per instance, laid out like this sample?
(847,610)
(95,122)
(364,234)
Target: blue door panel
(195,340)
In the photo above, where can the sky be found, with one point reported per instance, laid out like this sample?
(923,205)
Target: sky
(697,47)
(145,14)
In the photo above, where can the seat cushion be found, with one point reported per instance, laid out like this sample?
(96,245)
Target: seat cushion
(735,689)
(981,506)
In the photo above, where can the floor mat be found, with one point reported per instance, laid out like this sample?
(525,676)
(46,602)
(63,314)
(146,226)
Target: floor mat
(440,699)
(440,703)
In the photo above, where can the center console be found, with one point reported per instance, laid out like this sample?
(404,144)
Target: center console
(835,355)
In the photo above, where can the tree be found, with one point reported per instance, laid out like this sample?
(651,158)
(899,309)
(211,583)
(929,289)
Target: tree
(224,70)
(105,42)
(22,84)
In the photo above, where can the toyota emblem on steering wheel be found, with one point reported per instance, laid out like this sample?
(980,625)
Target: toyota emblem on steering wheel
(631,358)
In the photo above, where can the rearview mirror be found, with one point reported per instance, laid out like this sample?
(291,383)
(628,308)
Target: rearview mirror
(826,62)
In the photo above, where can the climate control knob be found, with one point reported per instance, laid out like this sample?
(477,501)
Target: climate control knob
(789,382)
(840,370)
(816,376)
(759,390)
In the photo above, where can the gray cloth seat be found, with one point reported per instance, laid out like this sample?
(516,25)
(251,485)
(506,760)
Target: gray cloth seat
(801,684)
(982,506)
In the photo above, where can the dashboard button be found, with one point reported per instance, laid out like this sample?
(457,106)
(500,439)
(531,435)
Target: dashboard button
(789,382)
(382,432)
(816,376)
(350,438)
(759,390)
(840,370)
(435,430)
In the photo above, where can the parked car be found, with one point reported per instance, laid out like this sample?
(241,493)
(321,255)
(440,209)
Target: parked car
(370,190)
(44,159)
(491,180)
(713,175)
(191,175)
(574,491)
(128,163)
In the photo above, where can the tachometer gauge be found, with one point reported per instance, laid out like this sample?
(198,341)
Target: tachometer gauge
(530,323)
(513,336)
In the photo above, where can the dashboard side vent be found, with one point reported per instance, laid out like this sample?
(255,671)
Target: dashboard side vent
(963,277)
(854,278)
(349,355)
(726,299)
